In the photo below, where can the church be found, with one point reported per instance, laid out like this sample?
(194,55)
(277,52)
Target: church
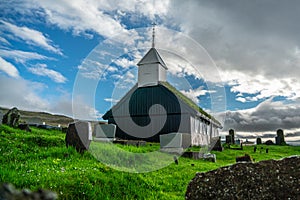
(154,107)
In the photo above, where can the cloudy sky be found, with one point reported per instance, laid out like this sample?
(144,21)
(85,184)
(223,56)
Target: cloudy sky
(239,60)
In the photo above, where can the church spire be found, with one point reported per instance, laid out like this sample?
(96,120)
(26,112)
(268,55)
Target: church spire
(153,34)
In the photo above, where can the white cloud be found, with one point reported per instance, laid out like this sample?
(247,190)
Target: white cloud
(42,70)
(8,68)
(4,41)
(30,36)
(26,95)
(111,100)
(194,94)
(22,94)
(125,63)
(260,87)
(21,56)
(267,116)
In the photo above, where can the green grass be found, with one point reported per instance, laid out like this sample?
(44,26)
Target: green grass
(40,160)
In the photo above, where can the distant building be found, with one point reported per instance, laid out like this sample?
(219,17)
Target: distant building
(182,114)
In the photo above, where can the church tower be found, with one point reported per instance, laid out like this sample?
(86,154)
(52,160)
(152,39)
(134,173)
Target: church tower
(152,68)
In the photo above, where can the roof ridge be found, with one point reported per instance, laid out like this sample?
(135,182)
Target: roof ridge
(188,101)
(151,57)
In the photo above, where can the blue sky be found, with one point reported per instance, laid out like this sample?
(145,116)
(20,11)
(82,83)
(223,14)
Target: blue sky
(240,64)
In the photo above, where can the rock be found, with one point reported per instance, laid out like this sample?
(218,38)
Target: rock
(271,179)
(11,118)
(9,192)
(79,135)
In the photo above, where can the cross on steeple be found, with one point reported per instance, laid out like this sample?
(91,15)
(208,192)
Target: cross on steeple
(153,34)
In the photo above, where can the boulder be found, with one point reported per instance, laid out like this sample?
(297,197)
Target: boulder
(11,118)
(270,179)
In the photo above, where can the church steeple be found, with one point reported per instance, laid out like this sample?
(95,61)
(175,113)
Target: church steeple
(153,35)
(152,68)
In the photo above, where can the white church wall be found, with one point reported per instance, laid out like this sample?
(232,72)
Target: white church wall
(162,75)
(199,134)
(148,75)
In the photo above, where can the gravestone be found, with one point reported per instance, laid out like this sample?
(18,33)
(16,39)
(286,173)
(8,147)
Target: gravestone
(231,133)
(269,142)
(79,135)
(218,145)
(245,158)
(258,141)
(24,127)
(228,139)
(279,139)
(210,157)
(1,117)
(11,118)
(174,142)
(105,132)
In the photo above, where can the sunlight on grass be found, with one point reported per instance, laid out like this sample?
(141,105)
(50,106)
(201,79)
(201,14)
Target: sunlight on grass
(40,159)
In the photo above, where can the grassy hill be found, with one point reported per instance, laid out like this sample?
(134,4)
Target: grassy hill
(39,159)
(40,117)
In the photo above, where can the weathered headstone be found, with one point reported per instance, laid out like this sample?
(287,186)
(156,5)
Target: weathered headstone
(245,158)
(231,133)
(228,139)
(24,127)
(11,118)
(1,117)
(210,157)
(279,139)
(269,142)
(258,141)
(79,135)
(174,142)
(217,145)
(105,132)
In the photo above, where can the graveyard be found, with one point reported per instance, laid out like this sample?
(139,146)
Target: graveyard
(40,159)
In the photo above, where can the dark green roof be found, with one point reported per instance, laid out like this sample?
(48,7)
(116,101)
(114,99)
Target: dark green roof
(188,101)
(157,94)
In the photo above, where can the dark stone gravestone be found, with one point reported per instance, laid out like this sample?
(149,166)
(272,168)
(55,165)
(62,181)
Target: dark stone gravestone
(105,132)
(231,133)
(24,127)
(11,118)
(269,142)
(228,139)
(79,135)
(258,141)
(1,117)
(218,145)
(279,139)
(245,158)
